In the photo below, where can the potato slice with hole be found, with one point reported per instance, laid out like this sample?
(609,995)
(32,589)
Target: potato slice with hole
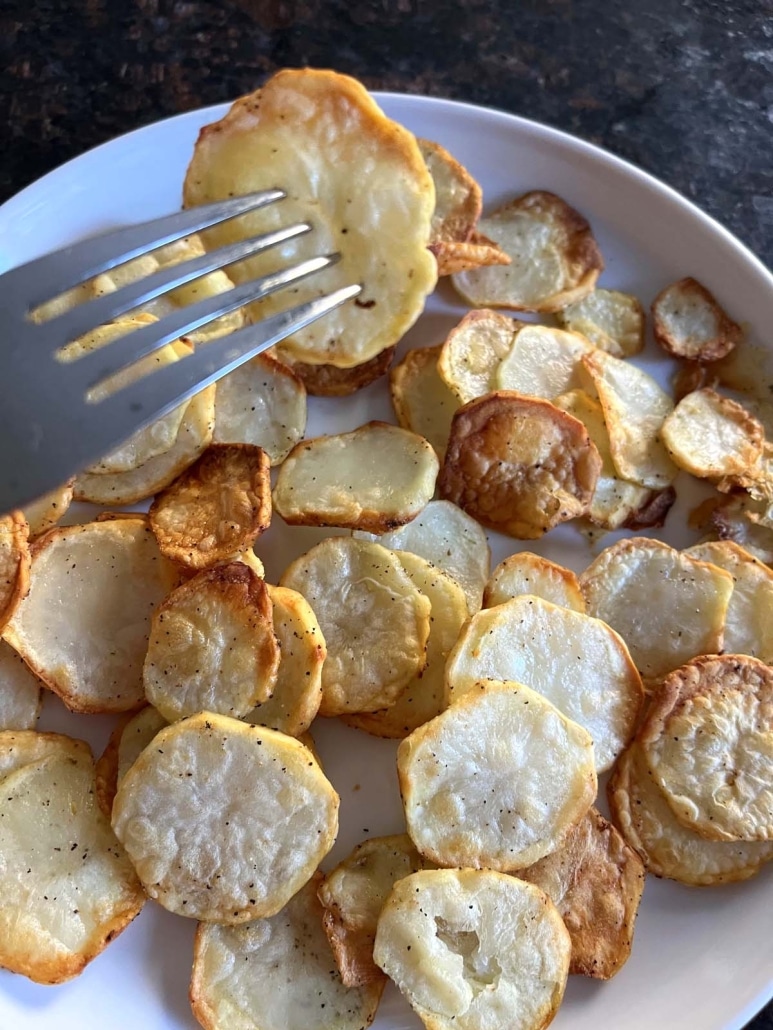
(44,513)
(542,362)
(422,401)
(83,627)
(518,464)
(129,738)
(667,606)
(554,258)
(595,880)
(331,381)
(527,573)
(276,973)
(474,949)
(471,354)
(381,233)
(20,692)
(578,663)
(712,436)
(14,564)
(375,478)
(689,323)
(375,622)
(609,319)
(224,821)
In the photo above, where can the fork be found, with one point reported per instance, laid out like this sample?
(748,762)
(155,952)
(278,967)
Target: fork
(53,422)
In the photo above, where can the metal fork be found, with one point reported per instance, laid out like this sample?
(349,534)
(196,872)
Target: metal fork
(50,427)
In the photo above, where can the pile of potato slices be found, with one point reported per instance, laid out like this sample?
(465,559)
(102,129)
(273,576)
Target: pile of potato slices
(512,692)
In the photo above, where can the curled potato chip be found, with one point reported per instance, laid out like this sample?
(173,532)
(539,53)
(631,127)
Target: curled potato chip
(712,436)
(689,323)
(611,320)
(477,252)
(527,573)
(471,354)
(554,258)
(20,696)
(518,464)
(331,381)
(132,734)
(375,478)
(422,401)
(542,362)
(44,513)
(14,564)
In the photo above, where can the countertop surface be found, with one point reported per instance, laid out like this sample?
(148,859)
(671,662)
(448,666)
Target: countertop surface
(682,88)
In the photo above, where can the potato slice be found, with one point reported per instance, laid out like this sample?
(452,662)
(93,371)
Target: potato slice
(478,252)
(595,881)
(748,368)
(518,464)
(129,738)
(712,436)
(708,740)
(67,888)
(527,573)
(542,362)
(223,821)
(555,259)
(44,513)
(667,606)
(472,949)
(14,564)
(381,233)
(20,692)
(375,478)
(331,381)
(689,323)
(578,663)
(375,622)
(497,780)
(730,521)
(83,627)
(471,354)
(422,401)
(276,973)
(611,320)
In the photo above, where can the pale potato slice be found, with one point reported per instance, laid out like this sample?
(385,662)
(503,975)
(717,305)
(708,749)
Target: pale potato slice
(297,692)
(275,974)
(667,606)
(422,401)
(689,323)
(712,436)
(131,735)
(66,886)
(730,521)
(708,740)
(375,478)
(518,464)
(331,381)
(635,409)
(471,354)
(450,539)
(44,513)
(212,645)
(527,573)
(474,950)
(554,258)
(216,508)
(20,692)
(83,627)
(375,622)
(14,564)
(542,362)
(224,821)
(321,134)
(578,663)
(497,780)
(611,320)
(262,402)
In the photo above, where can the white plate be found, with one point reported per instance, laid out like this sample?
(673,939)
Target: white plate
(702,959)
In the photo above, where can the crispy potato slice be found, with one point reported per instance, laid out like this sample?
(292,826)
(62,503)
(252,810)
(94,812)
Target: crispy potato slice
(730,521)
(20,692)
(712,436)
(83,627)
(375,622)
(297,692)
(212,645)
(518,464)
(474,949)
(471,354)
(375,478)
(497,780)
(595,880)
(542,362)
(458,197)
(689,323)
(555,260)
(667,606)
(422,401)
(275,974)
(131,735)
(14,564)
(527,573)
(44,513)
(224,821)
(381,233)
(478,252)
(450,539)
(578,663)
(708,740)
(331,381)
(67,888)
(611,320)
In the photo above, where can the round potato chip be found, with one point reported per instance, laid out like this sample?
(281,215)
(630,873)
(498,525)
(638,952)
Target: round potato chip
(14,564)
(20,692)
(712,436)
(224,821)
(422,401)
(611,320)
(471,354)
(44,513)
(527,573)
(131,735)
(542,362)
(331,381)
(689,323)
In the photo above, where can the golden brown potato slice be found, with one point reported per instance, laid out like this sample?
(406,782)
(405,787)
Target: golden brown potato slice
(518,464)
(375,622)
(224,821)
(422,401)
(527,573)
(331,381)
(689,323)
(131,735)
(20,692)
(478,252)
(595,880)
(471,354)
(667,606)
(611,320)
(712,436)
(83,627)
(542,362)
(66,887)
(375,478)
(382,232)
(497,780)
(44,513)
(14,564)
(554,258)
(473,948)
(276,974)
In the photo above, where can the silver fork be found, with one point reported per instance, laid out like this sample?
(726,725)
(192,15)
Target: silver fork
(50,426)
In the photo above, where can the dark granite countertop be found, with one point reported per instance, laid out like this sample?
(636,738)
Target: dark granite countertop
(682,88)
